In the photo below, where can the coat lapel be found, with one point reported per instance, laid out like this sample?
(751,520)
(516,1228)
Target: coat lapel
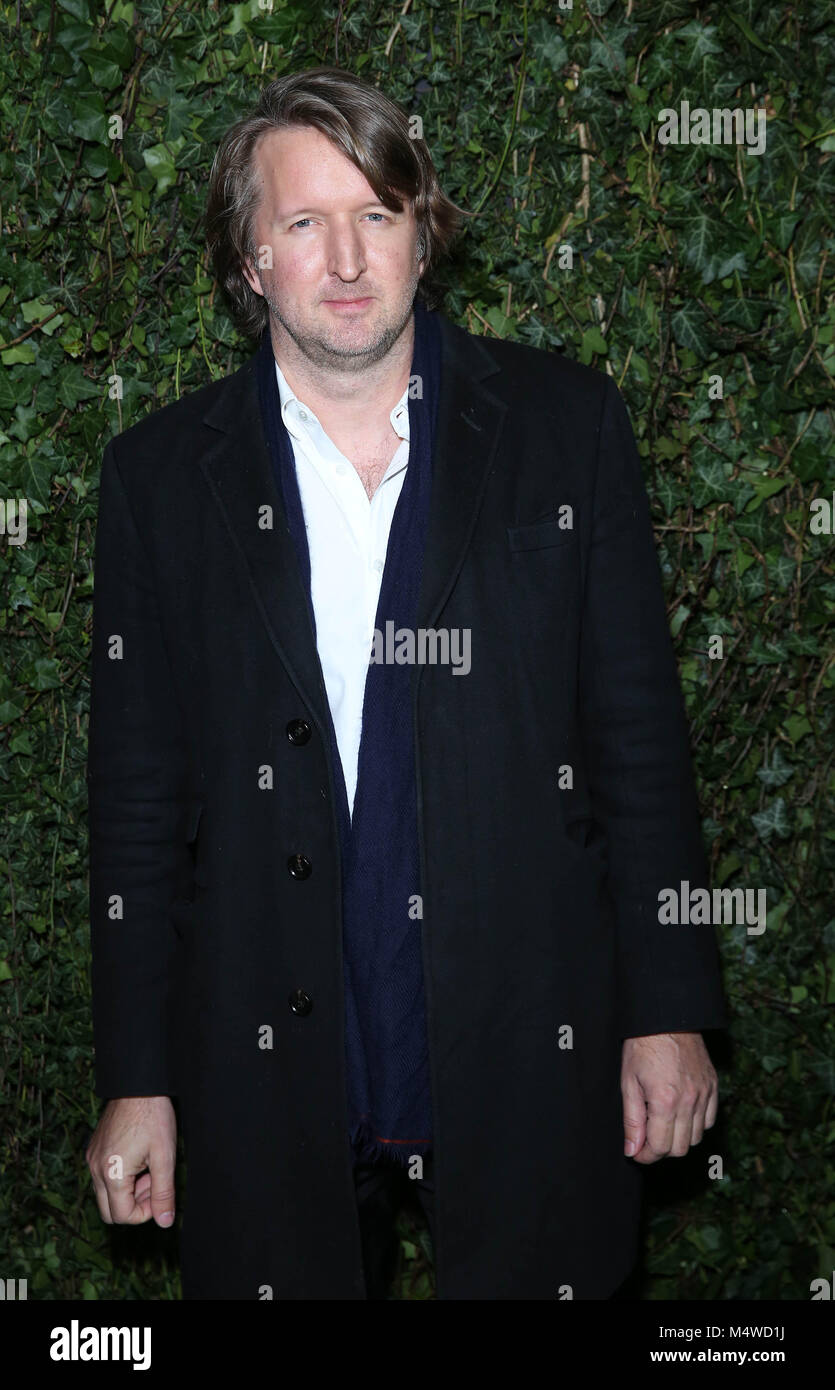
(237,468)
(469,426)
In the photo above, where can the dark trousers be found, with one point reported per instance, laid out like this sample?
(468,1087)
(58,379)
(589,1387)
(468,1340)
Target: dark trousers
(381,1189)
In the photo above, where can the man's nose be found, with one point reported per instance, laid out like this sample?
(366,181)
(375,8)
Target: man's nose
(345,253)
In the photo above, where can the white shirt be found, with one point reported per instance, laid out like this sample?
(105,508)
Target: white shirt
(347,536)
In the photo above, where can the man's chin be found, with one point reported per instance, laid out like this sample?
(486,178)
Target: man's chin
(354,336)
(329,337)
(350,326)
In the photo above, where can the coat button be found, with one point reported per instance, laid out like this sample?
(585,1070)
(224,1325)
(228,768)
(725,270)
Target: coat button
(300,1002)
(298,731)
(299,866)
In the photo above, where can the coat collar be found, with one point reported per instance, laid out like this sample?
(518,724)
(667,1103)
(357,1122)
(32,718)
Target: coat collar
(237,468)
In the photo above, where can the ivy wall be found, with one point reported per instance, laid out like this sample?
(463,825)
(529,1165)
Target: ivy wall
(699,275)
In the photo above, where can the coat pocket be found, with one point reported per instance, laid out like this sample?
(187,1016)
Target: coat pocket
(537,535)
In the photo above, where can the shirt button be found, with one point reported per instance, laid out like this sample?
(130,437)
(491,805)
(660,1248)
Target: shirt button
(378,566)
(302,415)
(341,468)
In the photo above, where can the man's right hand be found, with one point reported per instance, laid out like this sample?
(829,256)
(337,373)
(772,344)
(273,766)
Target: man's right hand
(135,1134)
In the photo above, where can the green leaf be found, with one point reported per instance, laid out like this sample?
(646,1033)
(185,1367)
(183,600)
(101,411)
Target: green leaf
(698,239)
(104,72)
(593,342)
(46,674)
(745,28)
(796,726)
(773,820)
(159,161)
(23,352)
(89,119)
(778,773)
(772,1064)
(688,328)
(763,488)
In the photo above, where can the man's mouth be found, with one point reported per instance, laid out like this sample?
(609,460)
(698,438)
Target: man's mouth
(358,303)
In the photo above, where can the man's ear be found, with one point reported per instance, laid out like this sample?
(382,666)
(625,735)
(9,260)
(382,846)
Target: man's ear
(251,275)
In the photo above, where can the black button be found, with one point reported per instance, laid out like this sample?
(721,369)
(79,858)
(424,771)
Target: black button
(299,866)
(298,731)
(300,1002)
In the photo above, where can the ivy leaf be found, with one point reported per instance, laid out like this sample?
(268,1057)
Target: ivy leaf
(708,482)
(763,488)
(89,118)
(698,243)
(779,772)
(104,72)
(160,161)
(687,325)
(782,228)
(745,313)
(593,342)
(773,820)
(45,674)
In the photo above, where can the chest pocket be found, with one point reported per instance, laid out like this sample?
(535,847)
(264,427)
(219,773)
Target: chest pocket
(537,535)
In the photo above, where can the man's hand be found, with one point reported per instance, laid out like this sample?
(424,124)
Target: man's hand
(134,1134)
(670,1095)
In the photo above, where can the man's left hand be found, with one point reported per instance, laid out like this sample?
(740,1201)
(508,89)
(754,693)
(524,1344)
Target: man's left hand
(670,1095)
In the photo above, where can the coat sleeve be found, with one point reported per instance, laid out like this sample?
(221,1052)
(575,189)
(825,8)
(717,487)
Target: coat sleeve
(139,859)
(637,757)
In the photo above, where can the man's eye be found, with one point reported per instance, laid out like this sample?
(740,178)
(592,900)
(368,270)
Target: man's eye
(301,220)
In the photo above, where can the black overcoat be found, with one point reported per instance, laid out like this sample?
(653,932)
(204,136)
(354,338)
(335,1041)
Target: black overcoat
(555,798)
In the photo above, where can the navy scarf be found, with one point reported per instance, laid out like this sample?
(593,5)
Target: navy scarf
(389,1100)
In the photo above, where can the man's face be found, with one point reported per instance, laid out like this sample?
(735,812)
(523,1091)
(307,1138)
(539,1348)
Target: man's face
(344,268)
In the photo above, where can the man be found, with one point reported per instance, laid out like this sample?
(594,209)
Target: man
(388,767)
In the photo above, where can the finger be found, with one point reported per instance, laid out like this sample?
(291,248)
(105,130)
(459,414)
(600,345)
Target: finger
(712,1105)
(647,1155)
(697,1126)
(142,1195)
(634,1115)
(662,1107)
(700,1119)
(162,1185)
(101,1198)
(123,1205)
(682,1130)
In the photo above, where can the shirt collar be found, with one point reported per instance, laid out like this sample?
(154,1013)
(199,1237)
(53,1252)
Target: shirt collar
(297,416)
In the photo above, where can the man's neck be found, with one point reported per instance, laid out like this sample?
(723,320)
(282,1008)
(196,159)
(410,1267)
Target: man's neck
(354,400)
